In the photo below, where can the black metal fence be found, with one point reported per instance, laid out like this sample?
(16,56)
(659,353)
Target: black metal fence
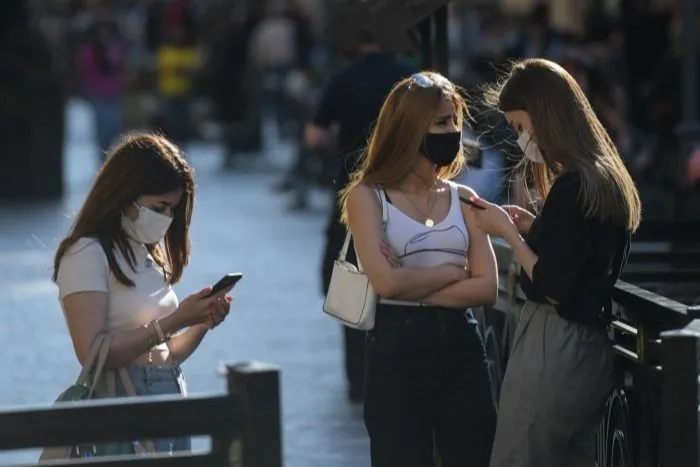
(667,260)
(244,424)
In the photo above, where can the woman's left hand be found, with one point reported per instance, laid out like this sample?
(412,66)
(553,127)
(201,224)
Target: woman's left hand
(218,310)
(389,254)
(493,220)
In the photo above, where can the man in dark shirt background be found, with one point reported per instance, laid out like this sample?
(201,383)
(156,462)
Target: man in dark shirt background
(351,100)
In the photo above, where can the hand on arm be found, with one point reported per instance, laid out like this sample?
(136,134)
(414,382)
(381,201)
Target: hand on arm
(522,218)
(365,220)
(481,288)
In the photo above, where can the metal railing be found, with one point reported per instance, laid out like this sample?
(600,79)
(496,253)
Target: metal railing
(654,338)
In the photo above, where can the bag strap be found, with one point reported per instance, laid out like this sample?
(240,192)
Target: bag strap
(95,362)
(140,447)
(385,218)
(101,359)
(384,205)
(89,364)
(144,446)
(97,357)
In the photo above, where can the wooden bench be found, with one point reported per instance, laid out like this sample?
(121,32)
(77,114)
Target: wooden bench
(243,423)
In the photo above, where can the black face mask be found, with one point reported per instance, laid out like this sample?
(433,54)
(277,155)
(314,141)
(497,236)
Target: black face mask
(441,148)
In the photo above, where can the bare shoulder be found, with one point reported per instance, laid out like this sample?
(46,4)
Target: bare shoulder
(465,191)
(361,195)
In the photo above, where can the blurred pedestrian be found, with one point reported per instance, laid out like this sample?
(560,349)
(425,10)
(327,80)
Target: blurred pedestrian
(351,100)
(101,67)
(177,64)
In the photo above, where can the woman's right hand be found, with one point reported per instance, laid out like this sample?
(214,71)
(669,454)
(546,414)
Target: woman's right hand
(522,218)
(454,272)
(195,309)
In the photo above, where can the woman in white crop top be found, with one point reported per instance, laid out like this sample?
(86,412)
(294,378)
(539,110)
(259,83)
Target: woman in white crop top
(427,385)
(115,270)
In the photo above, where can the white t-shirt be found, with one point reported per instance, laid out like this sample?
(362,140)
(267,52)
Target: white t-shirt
(84,268)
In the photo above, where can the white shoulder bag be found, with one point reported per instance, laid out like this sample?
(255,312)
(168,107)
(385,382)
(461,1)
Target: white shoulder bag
(351,299)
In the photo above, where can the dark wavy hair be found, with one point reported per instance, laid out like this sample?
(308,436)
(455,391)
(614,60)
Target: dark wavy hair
(141,164)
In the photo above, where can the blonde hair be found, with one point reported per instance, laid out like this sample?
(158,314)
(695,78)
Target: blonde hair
(570,135)
(395,142)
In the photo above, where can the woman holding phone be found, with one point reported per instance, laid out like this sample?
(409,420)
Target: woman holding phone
(560,371)
(115,270)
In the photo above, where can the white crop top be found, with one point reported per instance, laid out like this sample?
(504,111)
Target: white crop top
(419,246)
(84,268)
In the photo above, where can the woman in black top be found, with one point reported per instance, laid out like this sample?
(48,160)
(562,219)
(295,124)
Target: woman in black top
(561,367)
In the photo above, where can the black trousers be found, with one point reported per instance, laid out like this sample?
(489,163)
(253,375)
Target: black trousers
(428,389)
(354,340)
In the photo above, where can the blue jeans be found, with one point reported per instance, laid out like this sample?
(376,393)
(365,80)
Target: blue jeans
(156,381)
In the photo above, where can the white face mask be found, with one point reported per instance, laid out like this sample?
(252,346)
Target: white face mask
(149,227)
(530,149)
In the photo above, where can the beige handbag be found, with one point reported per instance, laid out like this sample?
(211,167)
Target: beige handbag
(84,389)
(351,299)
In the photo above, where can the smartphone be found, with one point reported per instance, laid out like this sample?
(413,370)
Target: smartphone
(470,202)
(227,281)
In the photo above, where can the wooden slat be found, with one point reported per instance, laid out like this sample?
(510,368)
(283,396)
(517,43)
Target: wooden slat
(675,258)
(624,327)
(668,231)
(204,459)
(639,300)
(626,353)
(117,419)
(662,276)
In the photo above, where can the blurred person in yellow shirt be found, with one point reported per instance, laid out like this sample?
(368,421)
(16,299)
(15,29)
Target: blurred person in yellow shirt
(177,62)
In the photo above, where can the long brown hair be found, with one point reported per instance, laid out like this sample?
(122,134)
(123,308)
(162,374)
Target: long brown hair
(570,136)
(141,164)
(404,120)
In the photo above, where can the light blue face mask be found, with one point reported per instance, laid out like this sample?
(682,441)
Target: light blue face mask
(530,149)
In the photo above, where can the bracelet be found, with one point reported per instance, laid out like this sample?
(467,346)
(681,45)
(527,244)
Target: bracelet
(159,331)
(152,342)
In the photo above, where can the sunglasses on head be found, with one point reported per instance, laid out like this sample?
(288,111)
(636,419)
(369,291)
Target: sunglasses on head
(425,82)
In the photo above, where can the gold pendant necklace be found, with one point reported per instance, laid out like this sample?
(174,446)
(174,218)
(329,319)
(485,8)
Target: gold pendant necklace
(432,197)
